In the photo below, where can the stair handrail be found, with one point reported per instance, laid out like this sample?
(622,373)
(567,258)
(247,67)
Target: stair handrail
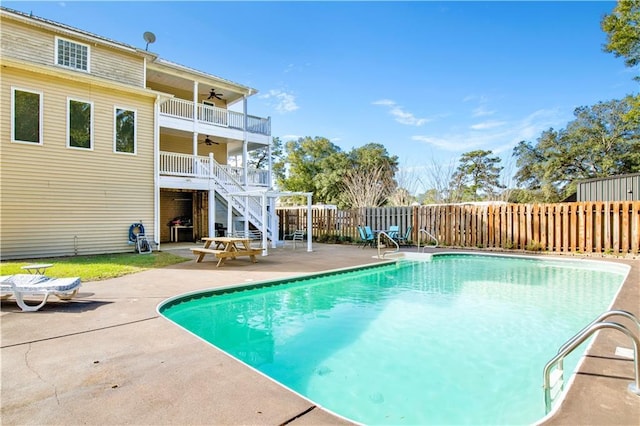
(380,234)
(230,183)
(424,231)
(575,342)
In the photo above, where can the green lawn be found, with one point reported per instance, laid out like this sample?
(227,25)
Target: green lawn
(98,267)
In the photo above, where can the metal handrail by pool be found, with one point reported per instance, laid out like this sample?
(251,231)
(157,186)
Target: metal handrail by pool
(380,234)
(575,342)
(429,235)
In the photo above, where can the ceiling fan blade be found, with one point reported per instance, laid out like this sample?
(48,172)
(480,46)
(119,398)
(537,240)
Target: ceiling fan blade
(213,94)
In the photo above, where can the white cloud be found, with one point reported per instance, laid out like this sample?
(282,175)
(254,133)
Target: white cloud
(281,101)
(453,142)
(497,136)
(481,111)
(402,116)
(488,125)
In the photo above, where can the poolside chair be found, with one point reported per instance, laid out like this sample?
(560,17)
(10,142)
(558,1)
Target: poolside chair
(393,232)
(20,285)
(298,235)
(370,236)
(404,239)
(365,239)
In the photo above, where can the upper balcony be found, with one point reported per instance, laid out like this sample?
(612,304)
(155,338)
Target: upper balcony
(203,103)
(211,120)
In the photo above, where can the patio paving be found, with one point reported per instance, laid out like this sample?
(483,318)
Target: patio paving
(109,358)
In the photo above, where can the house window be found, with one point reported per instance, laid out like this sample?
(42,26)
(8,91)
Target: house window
(72,55)
(125,130)
(80,118)
(26,116)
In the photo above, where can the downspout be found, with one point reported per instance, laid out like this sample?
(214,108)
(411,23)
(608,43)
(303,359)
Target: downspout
(156,172)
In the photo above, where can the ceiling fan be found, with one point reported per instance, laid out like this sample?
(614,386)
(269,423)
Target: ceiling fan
(208,141)
(213,94)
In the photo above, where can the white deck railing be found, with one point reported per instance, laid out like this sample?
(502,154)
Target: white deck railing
(185,165)
(180,108)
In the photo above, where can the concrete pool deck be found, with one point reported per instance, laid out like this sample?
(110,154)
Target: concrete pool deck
(109,358)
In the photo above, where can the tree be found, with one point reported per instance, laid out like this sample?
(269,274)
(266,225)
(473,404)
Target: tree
(361,187)
(603,140)
(623,32)
(623,39)
(477,177)
(305,159)
(277,160)
(408,183)
(372,159)
(317,165)
(437,180)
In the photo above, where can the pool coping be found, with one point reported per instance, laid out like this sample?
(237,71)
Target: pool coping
(108,357)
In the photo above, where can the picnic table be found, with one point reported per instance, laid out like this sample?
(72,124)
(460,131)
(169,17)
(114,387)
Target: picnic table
(225,248)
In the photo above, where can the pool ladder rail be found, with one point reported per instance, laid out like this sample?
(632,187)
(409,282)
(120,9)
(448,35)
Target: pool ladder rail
(553,378)
(429,236)
(383,244)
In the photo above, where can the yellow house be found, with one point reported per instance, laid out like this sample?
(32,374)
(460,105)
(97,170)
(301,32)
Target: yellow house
(97,135)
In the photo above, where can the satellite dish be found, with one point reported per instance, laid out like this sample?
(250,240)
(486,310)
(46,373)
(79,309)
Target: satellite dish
(149,37)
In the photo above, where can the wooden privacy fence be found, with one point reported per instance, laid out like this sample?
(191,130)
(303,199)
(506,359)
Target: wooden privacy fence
(586,227)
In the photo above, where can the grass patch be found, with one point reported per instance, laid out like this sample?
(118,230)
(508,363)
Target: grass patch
(96,267)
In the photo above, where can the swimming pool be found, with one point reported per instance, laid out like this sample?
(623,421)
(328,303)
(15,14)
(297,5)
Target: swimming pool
(458,339)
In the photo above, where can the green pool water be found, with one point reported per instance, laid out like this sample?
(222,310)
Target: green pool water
(459,339)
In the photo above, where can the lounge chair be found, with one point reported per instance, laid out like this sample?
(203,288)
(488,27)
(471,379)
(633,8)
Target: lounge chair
(365,239)
(404,239)
(20,285)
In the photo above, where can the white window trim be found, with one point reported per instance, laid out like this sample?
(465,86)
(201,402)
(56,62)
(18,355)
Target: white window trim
(135,129)
(55,53)
(69,99)
(13,116)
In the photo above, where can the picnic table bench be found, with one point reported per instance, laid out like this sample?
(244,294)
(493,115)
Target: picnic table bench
(225,248)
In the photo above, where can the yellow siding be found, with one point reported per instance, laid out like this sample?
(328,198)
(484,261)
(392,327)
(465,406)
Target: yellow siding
(57,201)
(37,45)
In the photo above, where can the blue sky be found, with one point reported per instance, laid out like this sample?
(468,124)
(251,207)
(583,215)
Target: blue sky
(428,80)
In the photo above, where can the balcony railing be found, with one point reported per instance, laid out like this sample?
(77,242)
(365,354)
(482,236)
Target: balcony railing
(180,108)
(185,165)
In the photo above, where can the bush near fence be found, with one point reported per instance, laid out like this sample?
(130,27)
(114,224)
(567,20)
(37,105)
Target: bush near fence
(584,227)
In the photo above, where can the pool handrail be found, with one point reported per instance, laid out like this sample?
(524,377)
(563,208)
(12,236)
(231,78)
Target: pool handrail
(566,349)
(600,318)
(380,245)
(429,235)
